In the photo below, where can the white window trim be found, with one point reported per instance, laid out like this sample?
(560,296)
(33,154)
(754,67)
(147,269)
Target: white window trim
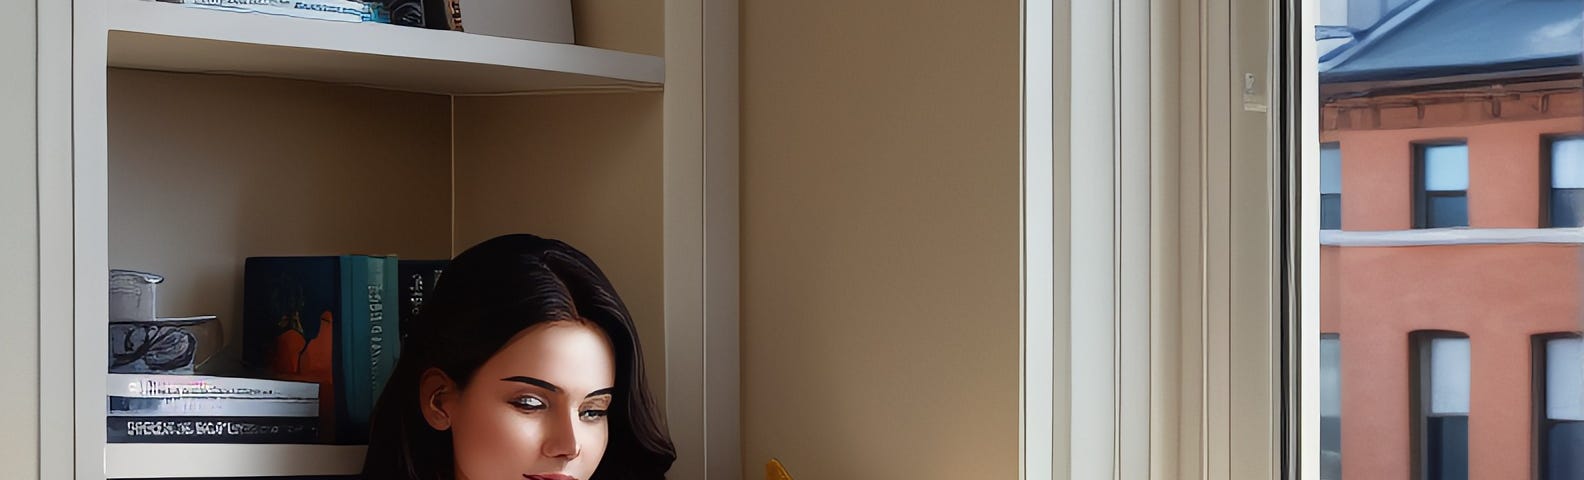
(1148,180)
(1100,240)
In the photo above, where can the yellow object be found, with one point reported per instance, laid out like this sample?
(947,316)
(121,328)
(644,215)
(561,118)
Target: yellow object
(774,471)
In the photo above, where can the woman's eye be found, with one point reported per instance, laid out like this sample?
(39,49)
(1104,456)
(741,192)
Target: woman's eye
(528,403)
(593,415)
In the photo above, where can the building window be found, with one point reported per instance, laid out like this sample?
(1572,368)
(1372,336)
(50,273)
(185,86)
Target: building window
(1330,406)
(1441,185)
(1330,186)
(1443,405)
(1560,377)
(1566,201)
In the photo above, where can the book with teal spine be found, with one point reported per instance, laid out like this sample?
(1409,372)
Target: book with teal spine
(384,323)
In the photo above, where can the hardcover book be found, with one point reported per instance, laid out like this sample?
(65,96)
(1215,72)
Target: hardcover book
(195,386)
(324,320)
(213,407)
(211,429)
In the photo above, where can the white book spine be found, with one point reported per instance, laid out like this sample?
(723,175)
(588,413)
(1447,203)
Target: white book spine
(194,386)
(212,407)
(338,10)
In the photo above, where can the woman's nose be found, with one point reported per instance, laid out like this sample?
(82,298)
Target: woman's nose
(561,439)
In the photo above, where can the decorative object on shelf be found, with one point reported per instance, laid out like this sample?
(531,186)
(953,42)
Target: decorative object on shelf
(443,14)
(406,13)
(325,320)
(164,345)
(540,20)
(142,342)
(132,295)
(196,409)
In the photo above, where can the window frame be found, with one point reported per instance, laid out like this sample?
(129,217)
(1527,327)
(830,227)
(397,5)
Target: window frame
(1420,365)
(1540,420)
(1547,166)
(1422,196)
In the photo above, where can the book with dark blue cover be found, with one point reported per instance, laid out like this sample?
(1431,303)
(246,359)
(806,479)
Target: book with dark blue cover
(320,319)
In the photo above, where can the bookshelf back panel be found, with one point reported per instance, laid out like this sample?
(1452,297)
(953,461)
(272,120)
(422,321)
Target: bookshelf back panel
(584,169)
(623,25)
(206,171)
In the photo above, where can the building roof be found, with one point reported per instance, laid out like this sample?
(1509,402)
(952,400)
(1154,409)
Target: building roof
(1436,38)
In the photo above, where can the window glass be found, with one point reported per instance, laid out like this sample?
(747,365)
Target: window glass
(1446,168)
(1565,379)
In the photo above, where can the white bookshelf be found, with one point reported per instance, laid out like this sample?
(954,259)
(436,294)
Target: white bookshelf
(139,160)
(135,460)
(149,35)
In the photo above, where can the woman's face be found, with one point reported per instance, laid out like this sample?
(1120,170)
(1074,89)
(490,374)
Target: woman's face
(538,407)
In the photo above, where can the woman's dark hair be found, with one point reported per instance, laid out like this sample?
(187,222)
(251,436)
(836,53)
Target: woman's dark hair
(483,298)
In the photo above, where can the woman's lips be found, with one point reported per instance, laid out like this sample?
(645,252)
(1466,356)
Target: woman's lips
(549,476)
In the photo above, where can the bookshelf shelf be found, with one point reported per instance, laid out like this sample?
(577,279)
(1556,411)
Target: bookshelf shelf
(129,460)
(155,36)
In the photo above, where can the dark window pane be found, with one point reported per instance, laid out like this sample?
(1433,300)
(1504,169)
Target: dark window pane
(1446,448)
(1330,448)
(1331,433)
(1567,207)
(1446,211)
(1331,211)
(1564,452)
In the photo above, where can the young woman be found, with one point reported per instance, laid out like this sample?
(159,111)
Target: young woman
(523,365)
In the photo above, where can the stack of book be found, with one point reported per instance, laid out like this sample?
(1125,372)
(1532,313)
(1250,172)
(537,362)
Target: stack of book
(150,408)
(153,396)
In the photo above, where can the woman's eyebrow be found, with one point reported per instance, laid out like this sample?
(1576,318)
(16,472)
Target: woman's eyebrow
(535,382)
(602,391)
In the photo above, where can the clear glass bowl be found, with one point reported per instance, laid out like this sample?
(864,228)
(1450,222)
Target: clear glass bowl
(164,345)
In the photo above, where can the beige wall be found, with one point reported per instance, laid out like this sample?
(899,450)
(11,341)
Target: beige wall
(19,244)
(584,169)
(206,171)
(880,324)
(623,25)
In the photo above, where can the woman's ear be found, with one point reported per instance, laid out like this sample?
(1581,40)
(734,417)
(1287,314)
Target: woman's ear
(436,392)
